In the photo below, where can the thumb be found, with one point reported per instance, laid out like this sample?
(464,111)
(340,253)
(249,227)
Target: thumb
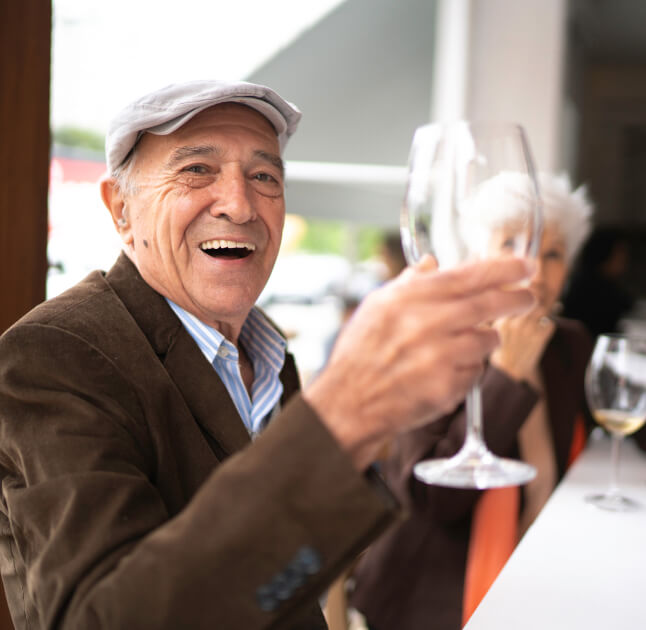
(427,263)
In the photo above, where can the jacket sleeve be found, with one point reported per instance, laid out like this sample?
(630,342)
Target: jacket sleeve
(88,541)
(505,404)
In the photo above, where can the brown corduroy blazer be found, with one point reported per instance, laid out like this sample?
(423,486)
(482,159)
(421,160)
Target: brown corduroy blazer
(132,496)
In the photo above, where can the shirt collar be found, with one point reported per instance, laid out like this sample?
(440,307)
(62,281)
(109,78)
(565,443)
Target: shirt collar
(261,340)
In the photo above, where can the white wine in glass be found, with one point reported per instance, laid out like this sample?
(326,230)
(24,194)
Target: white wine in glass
(615,387)
(472,193)
(619,422)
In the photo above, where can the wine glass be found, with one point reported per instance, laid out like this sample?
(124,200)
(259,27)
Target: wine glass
(472,193)
(615,387)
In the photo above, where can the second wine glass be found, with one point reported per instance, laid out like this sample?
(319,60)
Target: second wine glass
(615,387)
(472,193)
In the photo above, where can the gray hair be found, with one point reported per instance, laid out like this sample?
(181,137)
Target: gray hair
(507,198)
(570,211)
(124,174)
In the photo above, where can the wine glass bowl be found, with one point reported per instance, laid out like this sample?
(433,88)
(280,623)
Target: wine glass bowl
(615,387)
(461,179)
(472,193)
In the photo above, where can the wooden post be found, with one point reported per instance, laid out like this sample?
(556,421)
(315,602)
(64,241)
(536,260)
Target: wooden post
(25,53)
(25,43)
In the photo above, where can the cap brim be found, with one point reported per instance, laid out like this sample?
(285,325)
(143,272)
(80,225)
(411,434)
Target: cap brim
(267,110)
(166,110)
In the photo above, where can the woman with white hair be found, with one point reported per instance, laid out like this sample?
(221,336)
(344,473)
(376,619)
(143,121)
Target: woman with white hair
(431,570)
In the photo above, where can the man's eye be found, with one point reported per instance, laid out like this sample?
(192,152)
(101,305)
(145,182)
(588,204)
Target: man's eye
(265,178)
(196,169)
(267,184)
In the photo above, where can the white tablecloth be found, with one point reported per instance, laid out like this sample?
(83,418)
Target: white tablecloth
(578,567)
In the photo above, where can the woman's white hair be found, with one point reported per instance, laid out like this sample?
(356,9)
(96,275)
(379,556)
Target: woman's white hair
(507,198)
(570,211)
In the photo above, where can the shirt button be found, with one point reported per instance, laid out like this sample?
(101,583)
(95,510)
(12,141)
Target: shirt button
(223,352)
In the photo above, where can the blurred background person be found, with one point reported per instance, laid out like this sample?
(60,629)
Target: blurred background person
(392,254)
(595,293)
(391,262)
(439,563)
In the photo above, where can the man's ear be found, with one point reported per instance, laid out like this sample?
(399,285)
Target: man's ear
(115,202)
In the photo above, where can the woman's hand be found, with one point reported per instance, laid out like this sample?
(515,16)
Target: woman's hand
(522,341)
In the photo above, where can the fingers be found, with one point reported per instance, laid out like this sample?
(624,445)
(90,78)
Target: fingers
(473,346)
(484,291)
(478,276)
(492,305)
(456,314)
(535,321)
(456,299)
(535,315)
(522,343)
(427,263)
(453,393)
(455,366)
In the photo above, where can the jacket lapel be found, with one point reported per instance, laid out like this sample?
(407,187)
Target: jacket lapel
(556,367)
(204,393)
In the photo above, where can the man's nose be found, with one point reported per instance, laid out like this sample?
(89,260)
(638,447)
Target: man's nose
(232,197)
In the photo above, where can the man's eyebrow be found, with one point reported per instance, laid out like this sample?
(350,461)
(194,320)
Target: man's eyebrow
(272,159)
(182,153)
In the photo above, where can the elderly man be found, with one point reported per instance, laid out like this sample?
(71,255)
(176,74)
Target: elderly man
(134,492)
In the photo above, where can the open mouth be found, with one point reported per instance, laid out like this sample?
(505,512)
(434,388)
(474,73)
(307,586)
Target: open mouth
(219,248)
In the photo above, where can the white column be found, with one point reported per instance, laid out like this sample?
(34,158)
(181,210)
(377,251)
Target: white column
(516,69)
(451,60)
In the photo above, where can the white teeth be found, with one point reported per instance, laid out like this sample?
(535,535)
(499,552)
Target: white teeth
(222,244)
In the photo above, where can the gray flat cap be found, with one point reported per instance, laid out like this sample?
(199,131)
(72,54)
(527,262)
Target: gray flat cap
(163,111)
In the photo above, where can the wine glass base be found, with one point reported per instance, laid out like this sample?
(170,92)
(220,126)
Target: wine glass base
(474,472)
(613,502)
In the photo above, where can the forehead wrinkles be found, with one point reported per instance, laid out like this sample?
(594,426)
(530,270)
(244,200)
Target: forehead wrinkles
(228,118)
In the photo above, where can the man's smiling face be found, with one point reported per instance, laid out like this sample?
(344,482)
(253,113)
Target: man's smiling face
(206,215)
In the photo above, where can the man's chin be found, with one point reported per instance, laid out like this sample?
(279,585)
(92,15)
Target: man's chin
(231,306)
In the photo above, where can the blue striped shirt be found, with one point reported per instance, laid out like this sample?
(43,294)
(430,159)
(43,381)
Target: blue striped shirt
(266,350)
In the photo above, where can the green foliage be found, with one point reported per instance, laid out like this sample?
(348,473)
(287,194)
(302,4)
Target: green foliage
(337,237)
(324,237)
(368,242)
(75,137)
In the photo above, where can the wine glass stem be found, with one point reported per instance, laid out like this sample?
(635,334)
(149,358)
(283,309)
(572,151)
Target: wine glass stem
(474,439)
(613,490)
